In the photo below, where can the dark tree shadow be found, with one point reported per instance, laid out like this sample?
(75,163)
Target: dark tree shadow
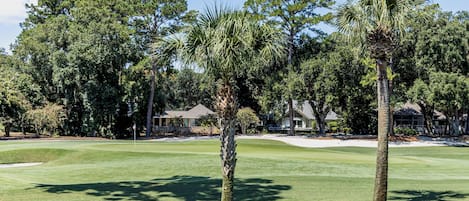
(188,188)
(414,195)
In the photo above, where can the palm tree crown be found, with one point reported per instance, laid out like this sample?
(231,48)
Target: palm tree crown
(226,43)
(378,23)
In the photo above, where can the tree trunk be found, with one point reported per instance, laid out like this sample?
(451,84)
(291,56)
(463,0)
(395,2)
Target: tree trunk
(427,117)
(228,158)
(381,179)
(445,131)
(291,112)
(320,112)
(7,130)
(243,129)
(227,107)
(456,123)
(23,124)
(467,123)
(291,41)
(150,101)
(322,125)
(38,131)
(391,108)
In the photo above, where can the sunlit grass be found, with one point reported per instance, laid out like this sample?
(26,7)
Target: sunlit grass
(266,170)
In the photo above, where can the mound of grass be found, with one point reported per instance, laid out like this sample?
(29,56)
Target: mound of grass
(31,155)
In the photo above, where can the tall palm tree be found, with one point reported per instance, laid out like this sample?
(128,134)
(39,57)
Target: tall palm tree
(227,43)
(164,51)
(377,25)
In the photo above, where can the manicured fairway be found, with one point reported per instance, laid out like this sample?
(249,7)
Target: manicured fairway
(266,170)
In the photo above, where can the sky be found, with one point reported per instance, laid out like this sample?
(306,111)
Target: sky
(13,12)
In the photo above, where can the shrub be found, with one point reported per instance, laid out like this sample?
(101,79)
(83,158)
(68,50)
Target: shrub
(208,123)
(405,131)
(46,119)
(252,131)
(333,126)
(208,120)
(246,116)
(347,130)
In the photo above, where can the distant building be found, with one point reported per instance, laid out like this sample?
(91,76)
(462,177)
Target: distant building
(170,120)
(184,122)
(410,116)
(303,118)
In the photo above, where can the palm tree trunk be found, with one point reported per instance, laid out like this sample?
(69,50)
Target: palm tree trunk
(228,158)
(381,179)
(150,101)
(227,107)
(391,109)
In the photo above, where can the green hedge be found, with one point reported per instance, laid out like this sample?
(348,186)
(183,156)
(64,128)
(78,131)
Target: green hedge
(405,131)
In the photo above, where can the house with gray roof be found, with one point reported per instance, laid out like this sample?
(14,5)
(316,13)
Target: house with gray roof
(409,115)
(304,117)
(188,118)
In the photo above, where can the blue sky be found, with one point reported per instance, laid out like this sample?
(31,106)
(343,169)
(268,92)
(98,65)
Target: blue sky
(12,13)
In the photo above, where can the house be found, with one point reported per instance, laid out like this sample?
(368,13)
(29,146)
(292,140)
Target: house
(410,116)
(170,120)
(303,118)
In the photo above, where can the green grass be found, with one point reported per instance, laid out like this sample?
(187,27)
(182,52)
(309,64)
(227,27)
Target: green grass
(266,170)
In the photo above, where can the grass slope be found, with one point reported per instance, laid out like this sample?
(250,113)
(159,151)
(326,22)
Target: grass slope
(266,170)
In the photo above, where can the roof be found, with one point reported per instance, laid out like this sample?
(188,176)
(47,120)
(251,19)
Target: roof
(306,111)
(408,109)
(198,111)
(194,113)
(414,109)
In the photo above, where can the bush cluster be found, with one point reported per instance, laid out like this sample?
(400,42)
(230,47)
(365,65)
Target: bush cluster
(405,131)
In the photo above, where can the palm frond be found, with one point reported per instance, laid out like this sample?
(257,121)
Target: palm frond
(167,49)
(363,20)
(225,43)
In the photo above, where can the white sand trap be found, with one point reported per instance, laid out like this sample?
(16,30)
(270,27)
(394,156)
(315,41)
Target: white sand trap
(302,141)
(315,143)
(12,165)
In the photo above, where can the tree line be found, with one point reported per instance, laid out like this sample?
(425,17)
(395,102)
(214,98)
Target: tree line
(93,68)
(99,62)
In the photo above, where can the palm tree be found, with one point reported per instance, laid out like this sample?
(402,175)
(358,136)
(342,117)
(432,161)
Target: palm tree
(377,25)
(227,43)
(163,52)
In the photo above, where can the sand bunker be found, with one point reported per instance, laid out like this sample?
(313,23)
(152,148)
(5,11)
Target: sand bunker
(12,165)
(315,143)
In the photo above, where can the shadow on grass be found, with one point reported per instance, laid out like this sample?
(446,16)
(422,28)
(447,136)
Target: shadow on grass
(188,188)
(413,195)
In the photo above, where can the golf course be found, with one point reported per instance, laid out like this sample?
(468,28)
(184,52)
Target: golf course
(190,170)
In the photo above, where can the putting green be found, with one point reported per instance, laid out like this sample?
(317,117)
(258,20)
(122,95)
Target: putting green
(266,170)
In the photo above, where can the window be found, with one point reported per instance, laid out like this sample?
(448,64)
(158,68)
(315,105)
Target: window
(298,123)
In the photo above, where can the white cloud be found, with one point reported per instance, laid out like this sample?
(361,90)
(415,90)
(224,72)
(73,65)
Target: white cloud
(13,11)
